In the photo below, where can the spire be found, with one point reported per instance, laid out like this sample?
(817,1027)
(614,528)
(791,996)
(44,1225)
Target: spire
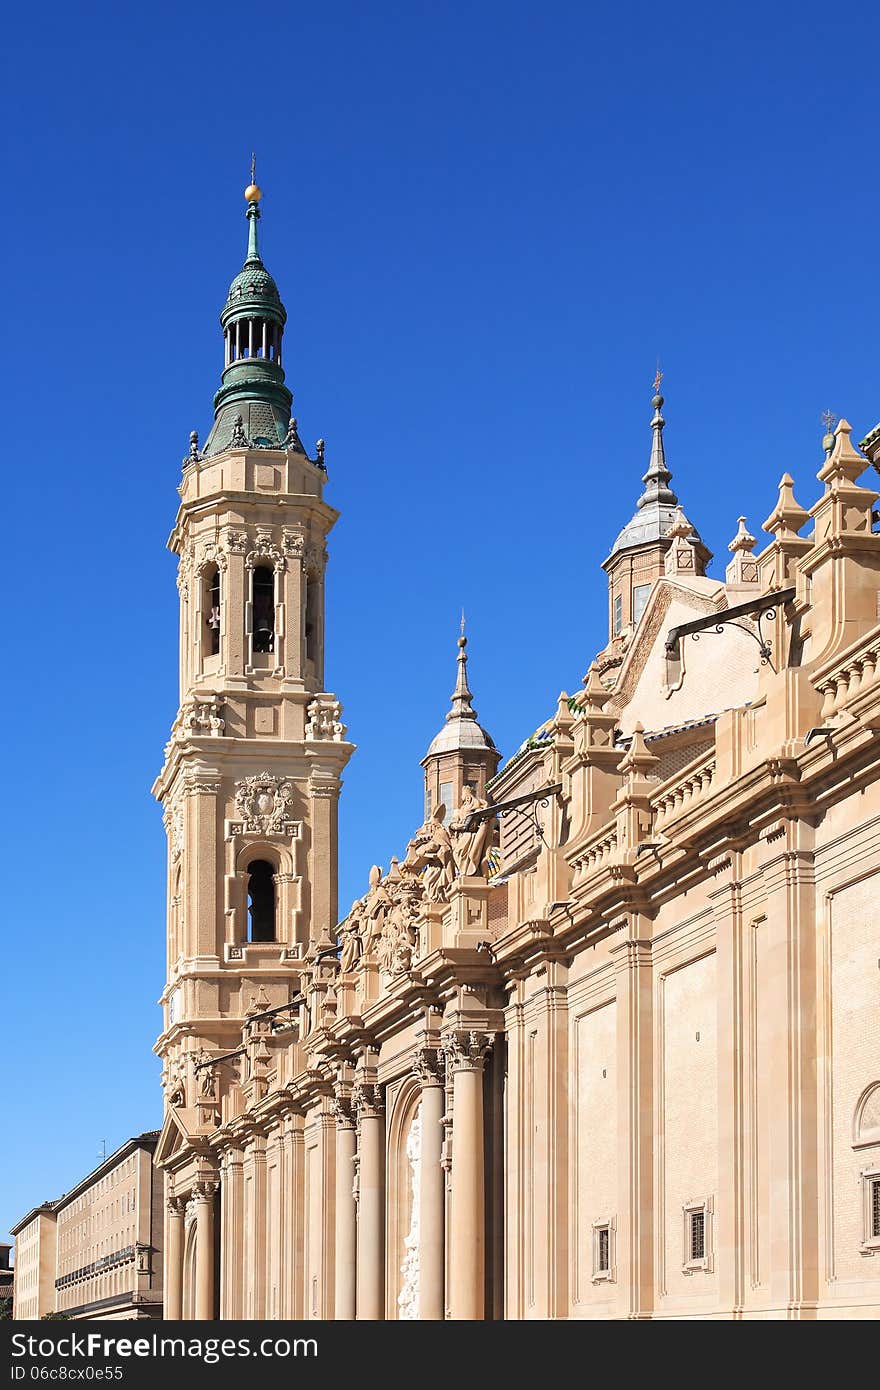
(461,729)
(658,476)
(252,195)
(462,707)
(656,508)
(253,251)
(253,406)
(788,516)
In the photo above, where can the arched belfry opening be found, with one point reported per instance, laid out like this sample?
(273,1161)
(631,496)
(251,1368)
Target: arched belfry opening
(264,609)
(212,611)
(261,901)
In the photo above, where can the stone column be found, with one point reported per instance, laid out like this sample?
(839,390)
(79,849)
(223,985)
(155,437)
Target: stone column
(371,1202)
(432,1194)
(465,1054)
(345,1293)
(173,1310)
(204,1193)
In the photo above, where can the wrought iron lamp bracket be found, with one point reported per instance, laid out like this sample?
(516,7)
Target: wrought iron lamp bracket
(759,610)
(526,806)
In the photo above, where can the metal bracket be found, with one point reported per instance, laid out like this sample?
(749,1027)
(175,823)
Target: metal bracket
(517,806)
(760,609)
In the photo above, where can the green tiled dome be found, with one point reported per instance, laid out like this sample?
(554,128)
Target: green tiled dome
(253,281)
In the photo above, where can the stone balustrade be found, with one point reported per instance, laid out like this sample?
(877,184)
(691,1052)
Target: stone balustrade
(600,850)
(849,674)
(682,790)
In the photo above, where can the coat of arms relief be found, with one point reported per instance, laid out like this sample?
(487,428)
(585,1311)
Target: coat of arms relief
(265,804)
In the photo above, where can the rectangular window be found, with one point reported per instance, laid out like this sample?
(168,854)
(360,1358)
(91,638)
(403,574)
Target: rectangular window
(697,1253)
(446,798)
(640,601)
(618,614)
(698,1235)
(603,1250)
(871,1226)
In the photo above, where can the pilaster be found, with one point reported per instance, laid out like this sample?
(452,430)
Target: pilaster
(254,1174)
(632,956)
(790,995)
(232,1254)
(730,1203)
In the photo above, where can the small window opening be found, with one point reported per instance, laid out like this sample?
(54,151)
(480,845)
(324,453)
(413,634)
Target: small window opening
(698,1235)
(618,614)
(311,619)
(264,609)
(212,620)
(641,594)
(875,1208)
(603,1250)
(261,901)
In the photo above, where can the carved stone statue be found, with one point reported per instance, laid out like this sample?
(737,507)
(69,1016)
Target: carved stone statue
(400,934)
(429,853)
(376,905)
(469,844)
(351,939)
(385,949)
(174,1087)
(205,1076)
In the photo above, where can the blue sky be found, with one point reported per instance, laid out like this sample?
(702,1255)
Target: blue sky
(487,221)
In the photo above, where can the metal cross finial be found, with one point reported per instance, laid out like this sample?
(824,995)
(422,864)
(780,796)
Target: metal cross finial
(462,622)
(829,420)
(658,377)
(253,167)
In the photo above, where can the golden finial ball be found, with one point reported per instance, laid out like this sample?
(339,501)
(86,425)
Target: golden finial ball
(253,193)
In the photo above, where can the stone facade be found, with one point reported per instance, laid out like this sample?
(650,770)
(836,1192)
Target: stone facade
(601,1042)
(34,1290)
(97,1251)
(7,1276)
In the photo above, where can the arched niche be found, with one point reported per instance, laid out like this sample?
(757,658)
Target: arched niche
(403,1173)
(866,1117)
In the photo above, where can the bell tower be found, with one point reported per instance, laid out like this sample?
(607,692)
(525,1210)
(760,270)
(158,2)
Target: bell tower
(252,771)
